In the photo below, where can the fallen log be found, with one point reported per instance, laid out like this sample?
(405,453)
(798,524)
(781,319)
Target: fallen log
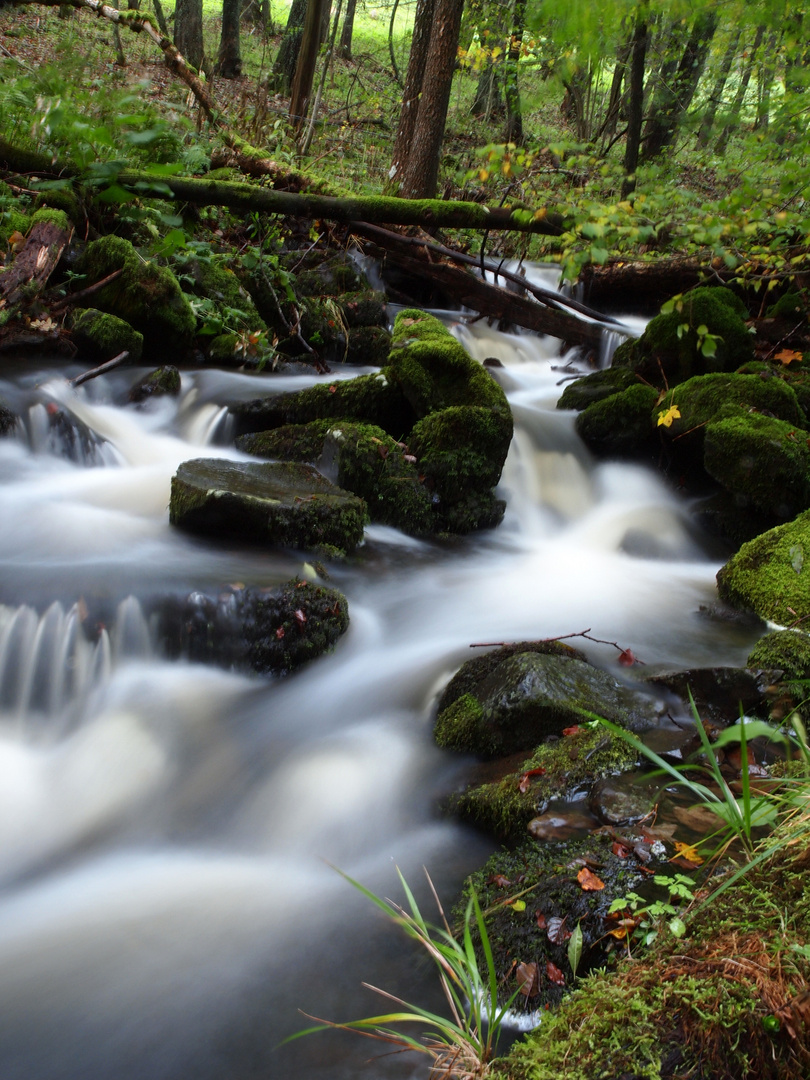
(649,284)
(33,263)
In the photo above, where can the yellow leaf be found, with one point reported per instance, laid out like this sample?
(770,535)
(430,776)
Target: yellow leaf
(787,356)
(666,416)
(688,852)
(483,174)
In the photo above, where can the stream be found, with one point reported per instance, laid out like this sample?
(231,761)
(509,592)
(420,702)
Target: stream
(169,832)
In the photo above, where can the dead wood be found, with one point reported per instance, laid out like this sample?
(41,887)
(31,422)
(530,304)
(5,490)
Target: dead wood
(34,263)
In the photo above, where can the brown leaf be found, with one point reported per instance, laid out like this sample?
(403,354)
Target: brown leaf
(588,881)
(499,880)
(280,633)
(528,979)
(554,974)
(300,617)
(619,850)
(541,919)
(557,931)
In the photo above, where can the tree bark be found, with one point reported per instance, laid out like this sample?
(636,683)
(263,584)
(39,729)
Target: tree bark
(635,104)
(488,101)
(739,97)
(345,46)
(229,60)
(34,263)
(307,58)
(420,42)
(511,87)
(188,35)
(421,172)
(611,120)
(287,56)
(717,90)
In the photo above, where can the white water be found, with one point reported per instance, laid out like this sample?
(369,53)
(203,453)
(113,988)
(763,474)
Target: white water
(166,906)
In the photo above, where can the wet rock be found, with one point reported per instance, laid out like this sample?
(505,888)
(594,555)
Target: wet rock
(368,346)
(784,657)
(279,503)
(563,823)
(99,337)
(620,423)
(719,693)
(269,631)
(9,421)
(529,696)
(596,387)
(163,381)
(621,800)
(770,575)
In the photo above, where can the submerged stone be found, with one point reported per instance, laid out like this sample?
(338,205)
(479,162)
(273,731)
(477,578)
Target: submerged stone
(277,503)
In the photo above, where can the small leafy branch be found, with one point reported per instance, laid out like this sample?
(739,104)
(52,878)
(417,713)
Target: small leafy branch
(642,918)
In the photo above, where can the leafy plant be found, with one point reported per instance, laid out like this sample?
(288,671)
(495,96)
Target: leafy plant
(463,1044)
(643,918)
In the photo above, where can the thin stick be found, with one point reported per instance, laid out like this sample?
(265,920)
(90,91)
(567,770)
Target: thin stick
(114,363)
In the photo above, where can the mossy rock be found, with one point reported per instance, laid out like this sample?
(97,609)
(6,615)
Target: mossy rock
(620,424)
(715,396)
(664,358)
(531,695)
(545,878)
(368,346)
(373,399)
(770,575)
(64,200)
(363,459)
(9,421)
(224,350)
(278,504)
(163,382)
(12,221)
(51,215)
(146,295)
(100,336)
(506,805)
(787,650)
(761,461)
(209,278)
(364,308)
(319,276)
(792,303)
(269,631)
(596,387)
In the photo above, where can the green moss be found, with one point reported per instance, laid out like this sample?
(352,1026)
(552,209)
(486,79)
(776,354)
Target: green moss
(51,216)
(158,383)
(145,295)
(596,387)
(368,346)
(620,424)
(224,350)
(101,336)
(291,442)
(667,354)
(787,650)
(364,308)
(64,199)
(12,221)
(770,575)
(461,449)
(761,460)
(791,304)
(570,763)
(211,279)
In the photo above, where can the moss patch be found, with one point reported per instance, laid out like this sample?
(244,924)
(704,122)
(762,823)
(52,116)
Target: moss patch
(621,423)
(770,575)
(101,337)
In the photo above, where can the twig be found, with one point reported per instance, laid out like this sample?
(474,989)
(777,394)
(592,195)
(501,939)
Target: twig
(101,369)
(75,297)
(560,637)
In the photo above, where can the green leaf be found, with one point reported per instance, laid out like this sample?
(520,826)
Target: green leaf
(575,949)
(677,927)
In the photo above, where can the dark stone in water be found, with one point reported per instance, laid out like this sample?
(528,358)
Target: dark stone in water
(278,503)
(164,380)
(621,800)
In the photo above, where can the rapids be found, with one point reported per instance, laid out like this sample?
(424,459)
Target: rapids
(167,903)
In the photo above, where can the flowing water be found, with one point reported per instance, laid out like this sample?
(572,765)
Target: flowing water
(167,902)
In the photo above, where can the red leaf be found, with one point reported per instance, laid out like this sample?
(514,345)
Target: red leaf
(627,658)
(557,931)
(528,980)
(588,881)
(541,919)
(300,617)
(554,974)
(620,850)
(575,730)
(524,784)
(332,389)
(499,880)
(280,633)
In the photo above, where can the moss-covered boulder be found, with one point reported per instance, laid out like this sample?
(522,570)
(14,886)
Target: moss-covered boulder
(371,399)
(9,421)
(368,346)
(763,462)
(364,308)
(211,280)
(270,631)
(704,332)
(505,804)
(145,295)
(787,650)
(361,458)
(99,336)
(596,387)
(770,575)
(621,423)
(12,220)
(164,381)
(524,697)
(281,503)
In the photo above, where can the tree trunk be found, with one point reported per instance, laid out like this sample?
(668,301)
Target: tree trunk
(511,88)
(767,76)
(307,58)
(420,41)
(345,46)
(229,60)
(161,18)
(188,33)
(120,59)
(664,123)
(635,105)
(739,97)
(718,88)
(422,169)
(615,97)
(488,101)
(287,56)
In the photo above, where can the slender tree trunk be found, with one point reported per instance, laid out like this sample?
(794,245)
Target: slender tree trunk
(229,60)
(615,97)
(422,170)
(662,127)
(717,90)
(767,75)
(287,56)
(739,97)
(120,59)
(307,58)
(635,104)
(345,46)
(511,87)
(488,101)
(423,24)
(188,35)
(161,18)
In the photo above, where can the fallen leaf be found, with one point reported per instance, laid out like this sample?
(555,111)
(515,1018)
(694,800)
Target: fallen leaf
(666,416)
(280,633)
(627,658)
(554,974)
(575,730)
(332,389)
(787,356)
(528,980)
(557,931)
(524,784)
(500,880)
(300,617)
(619,850)
(688,852)
(588,881)
(518,905)
(541,919)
